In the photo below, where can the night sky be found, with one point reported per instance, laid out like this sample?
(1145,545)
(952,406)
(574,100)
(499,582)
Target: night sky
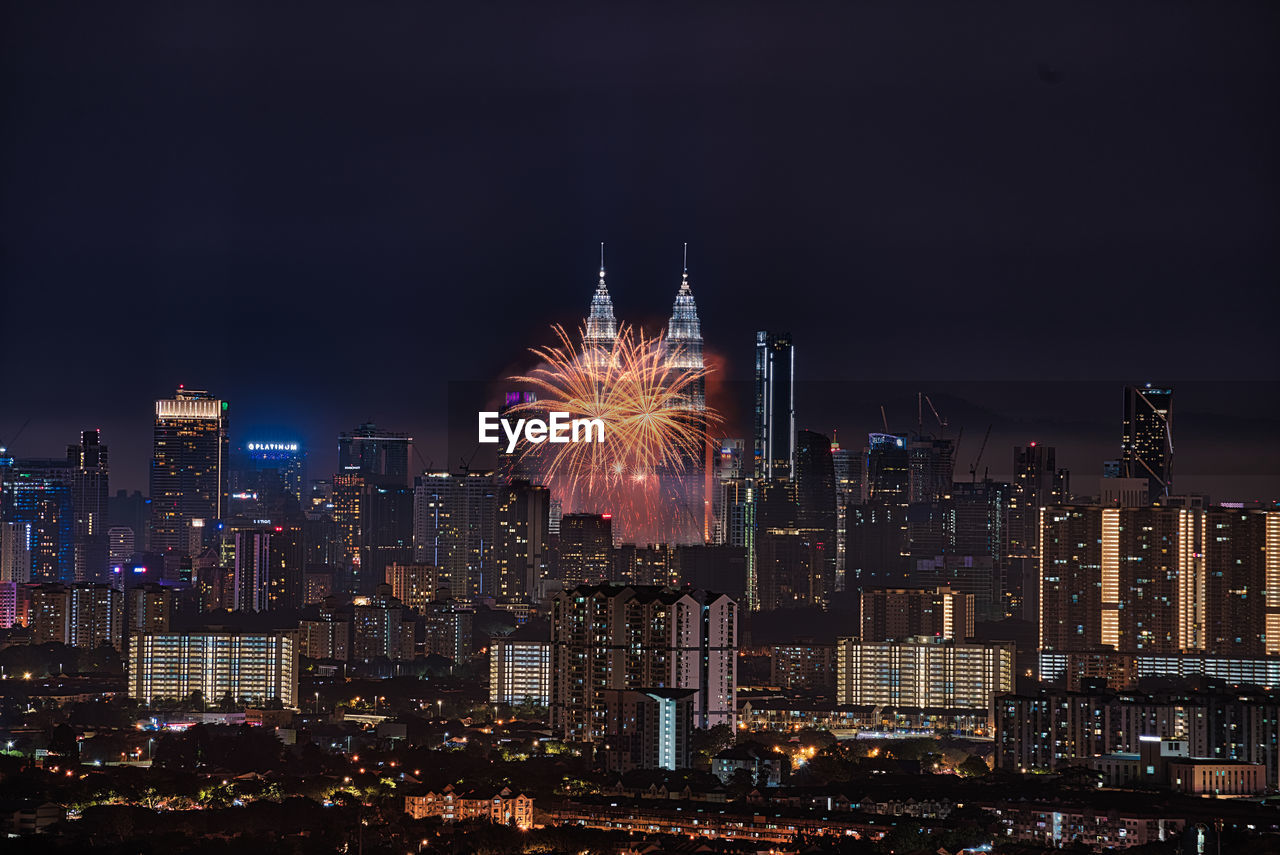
(326,213)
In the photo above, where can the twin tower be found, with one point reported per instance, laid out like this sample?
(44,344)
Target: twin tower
(683,334)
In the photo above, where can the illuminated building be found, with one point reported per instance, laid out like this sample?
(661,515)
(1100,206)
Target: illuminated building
(381,457)
(87,474)
(1160,580)
(267,467)
(608,638)
(911,673)
(886,475)
(654,564)
(381,627)
(847,469)
(85,614)
(816,511)
(601,328)
(257,666)
(775,411)
(120,545)
(348,515)
(803,667)
(503,808)
(251,575)
(454,525)
(415,585)
(447,630)
(684,344)
(647,729)
(1146,449)
(15,552)
(586,548)
(1037,483)
(328,638)
(896,614)
(520,667)
(523,518)
(1055,728)
(149,608)
(189,469)
(37,493)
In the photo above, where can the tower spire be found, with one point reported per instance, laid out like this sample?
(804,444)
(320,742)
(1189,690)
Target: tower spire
(684,277)
(601,327)
(601,264)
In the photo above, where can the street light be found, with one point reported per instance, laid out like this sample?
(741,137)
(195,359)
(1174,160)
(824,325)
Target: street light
(317,703)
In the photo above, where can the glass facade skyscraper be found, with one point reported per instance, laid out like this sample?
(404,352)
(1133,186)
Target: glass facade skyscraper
(775,410)
(1146,449)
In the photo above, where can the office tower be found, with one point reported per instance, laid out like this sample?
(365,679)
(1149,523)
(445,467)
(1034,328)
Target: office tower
(816,510)
(1146,448)
(803,667)
(386,534)
(348,497)
(930,463)
(246,666)
(973,522)
(381,628)
(37,493)
(898,614)
(271,468)
(775,411)
(886,474)
(523,516)
(906,673)
(88,472)
(454,528)
(380,456)
(188,470)
(691,482)
(131,511)
(601,328)
(447,629)
(607,638)
(415,585)
(150,608)
(15,552)
(251,568)
(847,469)
(729,466)
(286,558)
(586,548)
(648,729)
(520,667)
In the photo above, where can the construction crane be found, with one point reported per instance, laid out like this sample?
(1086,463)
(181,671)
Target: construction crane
(884,419)
(973,468)
(942,423)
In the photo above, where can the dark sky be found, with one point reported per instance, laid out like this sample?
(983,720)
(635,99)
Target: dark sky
(325,212)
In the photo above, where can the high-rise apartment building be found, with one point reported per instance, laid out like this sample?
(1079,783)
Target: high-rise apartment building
(84,614)
(897,614)
(253,666)
(1146,448)
(1159,580)
(520,667)
(775,411)
(415,585)
(189,470)
(610,638)
(37,494)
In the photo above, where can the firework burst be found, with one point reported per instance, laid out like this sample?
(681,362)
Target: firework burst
(653,436)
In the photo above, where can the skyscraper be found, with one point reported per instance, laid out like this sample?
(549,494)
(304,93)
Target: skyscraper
(454,528)
(271,467)
(87,470)
(586,548)
(37,493)
(601,328)
(691,485)
(523,516)
(380,456)
(816,509)
(188,469)
(1146,449)
(775,412)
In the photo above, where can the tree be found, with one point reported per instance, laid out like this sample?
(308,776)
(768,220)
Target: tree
(706,743)
(973,767)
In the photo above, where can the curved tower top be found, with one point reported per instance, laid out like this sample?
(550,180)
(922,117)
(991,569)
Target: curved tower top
(684,335)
